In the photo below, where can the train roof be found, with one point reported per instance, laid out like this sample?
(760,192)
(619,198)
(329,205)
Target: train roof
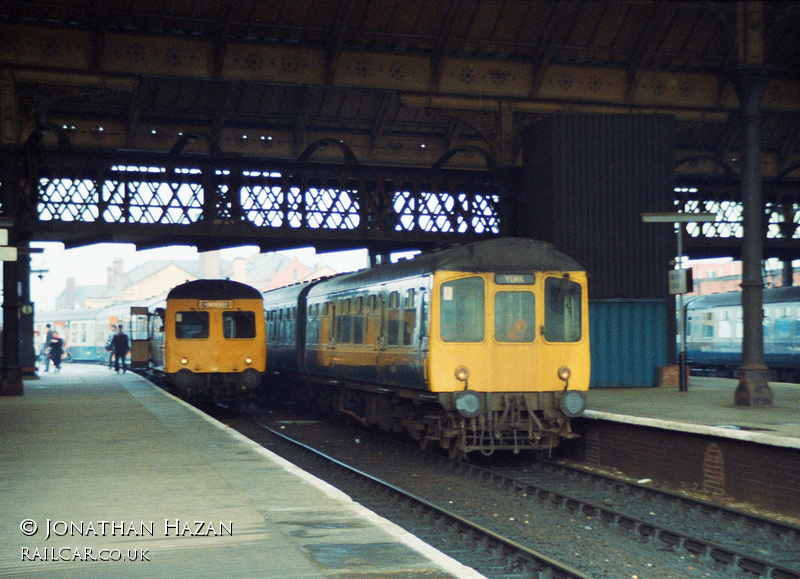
(770,296)
(501,255)
(214,289)
(99,313)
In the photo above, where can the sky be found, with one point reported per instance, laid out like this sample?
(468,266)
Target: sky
(89,264)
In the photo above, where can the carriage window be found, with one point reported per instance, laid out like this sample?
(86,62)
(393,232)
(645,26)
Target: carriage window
(410,295)
(462,310)
(562,315)
(358,320)
(191,325)
(783,329)
(409,323)
(358,329)
(138,326)
(392,327)
(238,325)
(312,325)
(514,317)
(343,323)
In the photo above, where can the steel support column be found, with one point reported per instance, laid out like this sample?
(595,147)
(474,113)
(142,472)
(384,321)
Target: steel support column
(753,389)
(27,349)
(787,276)
(11,373)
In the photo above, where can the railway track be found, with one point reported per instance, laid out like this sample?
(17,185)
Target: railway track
(770,548)
(735,555)
(642,494)
(472,544)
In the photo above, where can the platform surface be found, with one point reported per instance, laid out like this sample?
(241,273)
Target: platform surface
(707,407)
(105,475)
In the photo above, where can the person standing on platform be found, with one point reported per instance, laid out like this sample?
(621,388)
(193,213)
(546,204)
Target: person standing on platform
(45,345)
(56,351)
(109,347)
(121,347)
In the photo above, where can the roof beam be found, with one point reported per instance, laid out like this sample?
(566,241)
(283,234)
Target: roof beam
(645,48)
(444,44)
(388,103)
(301,123)
(336,42)
(545,51)
(220,39)
(9,119)
(133,56)
(99,32)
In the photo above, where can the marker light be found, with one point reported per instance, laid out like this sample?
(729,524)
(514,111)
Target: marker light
(564,373)
(469,404)
(248,360)
(184,360)
(462,374)
(573,403)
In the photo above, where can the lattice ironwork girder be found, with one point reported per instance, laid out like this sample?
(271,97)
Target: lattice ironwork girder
(723,237)
(156,199)
(720,188)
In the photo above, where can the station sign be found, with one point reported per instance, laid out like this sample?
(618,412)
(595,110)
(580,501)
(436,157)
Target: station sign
(6,253)
(680,281)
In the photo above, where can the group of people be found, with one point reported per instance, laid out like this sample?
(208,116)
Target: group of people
(117,345)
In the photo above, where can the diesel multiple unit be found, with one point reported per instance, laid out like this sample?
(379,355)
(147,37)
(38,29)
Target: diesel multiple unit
(477,348)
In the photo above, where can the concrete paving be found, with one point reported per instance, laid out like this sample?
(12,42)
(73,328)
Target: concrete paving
(707,407)
(105,475)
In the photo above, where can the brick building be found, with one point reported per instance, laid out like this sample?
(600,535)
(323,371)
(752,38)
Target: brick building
(712,276)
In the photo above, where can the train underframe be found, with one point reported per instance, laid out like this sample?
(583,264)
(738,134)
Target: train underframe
(512,421)
(228,390)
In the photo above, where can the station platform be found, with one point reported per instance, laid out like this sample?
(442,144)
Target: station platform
(707,407)
(104,474)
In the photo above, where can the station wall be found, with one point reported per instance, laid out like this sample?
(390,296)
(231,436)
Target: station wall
(585,182)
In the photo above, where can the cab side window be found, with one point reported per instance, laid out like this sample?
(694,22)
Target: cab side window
(562,316)
(462,310)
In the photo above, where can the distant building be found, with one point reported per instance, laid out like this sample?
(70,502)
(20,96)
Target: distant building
(262,271)
(717,276)
(148,280)
(272,270)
